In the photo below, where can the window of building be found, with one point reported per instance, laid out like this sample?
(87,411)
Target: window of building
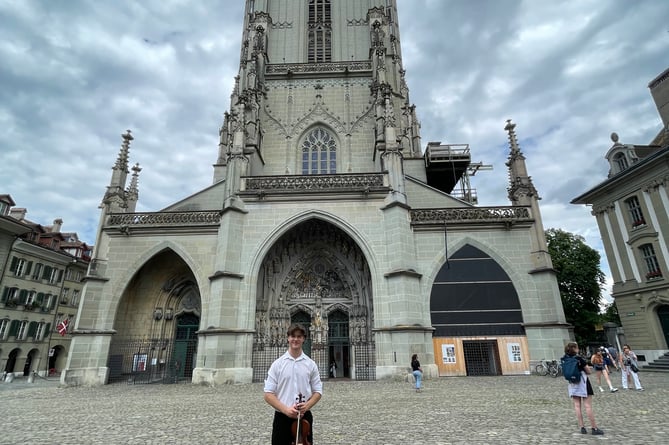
(52,275)
(38,271)
(10,295)
(653,270)
(319,153)
(620,161)
(636,215)
(20,266)
(75,297)
(49,301)
(4,328)
(23,330)
(41,329)
(319,28)
(31,297)
(4,208)
(63,297)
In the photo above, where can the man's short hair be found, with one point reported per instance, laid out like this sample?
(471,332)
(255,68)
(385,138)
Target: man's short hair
(295,328)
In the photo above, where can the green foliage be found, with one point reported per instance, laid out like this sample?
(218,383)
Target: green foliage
(611,314)
(580,280)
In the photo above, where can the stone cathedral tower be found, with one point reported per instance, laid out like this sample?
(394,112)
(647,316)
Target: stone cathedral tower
(325,210)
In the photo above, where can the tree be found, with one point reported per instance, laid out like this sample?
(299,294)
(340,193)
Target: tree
(580,281)
(610,314)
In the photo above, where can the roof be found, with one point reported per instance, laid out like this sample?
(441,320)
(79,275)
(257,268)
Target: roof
(657,155)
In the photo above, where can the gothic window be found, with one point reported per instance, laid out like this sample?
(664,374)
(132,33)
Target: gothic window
(636,215)
(652,265)
(319,28)
(620,161)
(319,153)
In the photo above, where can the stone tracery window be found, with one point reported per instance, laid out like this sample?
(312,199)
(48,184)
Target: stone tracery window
(319,28)
(319,153)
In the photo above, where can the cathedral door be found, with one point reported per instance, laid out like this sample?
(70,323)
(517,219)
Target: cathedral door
(185,345)
(338,344)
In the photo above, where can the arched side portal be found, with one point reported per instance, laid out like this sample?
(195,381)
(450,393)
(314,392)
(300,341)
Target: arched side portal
(477,316)
(156,324)
(312,271)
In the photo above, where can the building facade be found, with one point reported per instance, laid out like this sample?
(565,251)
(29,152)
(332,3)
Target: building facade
(39,288)
(323,210)
(632,210)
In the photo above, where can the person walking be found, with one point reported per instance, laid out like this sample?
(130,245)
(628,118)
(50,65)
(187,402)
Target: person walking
(581,392)
(629,367)
(417,371)
(293,386)
(599,364)
(613,353)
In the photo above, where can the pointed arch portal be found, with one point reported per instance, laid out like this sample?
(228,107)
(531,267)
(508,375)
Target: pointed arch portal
(315,275)
(476,313)
(157,320)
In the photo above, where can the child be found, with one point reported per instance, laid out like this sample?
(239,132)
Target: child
(581,393)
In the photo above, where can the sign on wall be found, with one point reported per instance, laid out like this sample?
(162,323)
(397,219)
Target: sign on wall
(448,353)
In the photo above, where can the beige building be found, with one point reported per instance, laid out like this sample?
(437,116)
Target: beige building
(39,288)
(632,211)
(325,209)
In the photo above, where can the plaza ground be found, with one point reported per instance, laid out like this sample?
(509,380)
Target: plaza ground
(453,410)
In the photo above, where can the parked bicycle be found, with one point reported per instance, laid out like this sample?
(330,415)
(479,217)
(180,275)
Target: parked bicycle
(546,367)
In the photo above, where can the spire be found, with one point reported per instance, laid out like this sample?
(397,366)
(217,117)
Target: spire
(120,169)
(115,197)
(521,189)
(522,193)
(132,194)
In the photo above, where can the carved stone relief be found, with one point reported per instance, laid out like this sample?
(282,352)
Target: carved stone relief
(315,268)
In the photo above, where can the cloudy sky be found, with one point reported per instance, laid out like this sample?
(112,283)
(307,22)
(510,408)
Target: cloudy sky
(74,75)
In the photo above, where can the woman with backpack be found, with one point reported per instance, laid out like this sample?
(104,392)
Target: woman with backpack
(581,390)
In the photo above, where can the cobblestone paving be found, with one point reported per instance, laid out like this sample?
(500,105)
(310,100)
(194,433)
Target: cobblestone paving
(456,410)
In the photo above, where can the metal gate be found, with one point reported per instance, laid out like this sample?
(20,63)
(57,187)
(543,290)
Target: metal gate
(143,361)
(481,357)
(365,361)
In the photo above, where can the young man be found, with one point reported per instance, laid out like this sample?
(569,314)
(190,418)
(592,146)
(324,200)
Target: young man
(293,386)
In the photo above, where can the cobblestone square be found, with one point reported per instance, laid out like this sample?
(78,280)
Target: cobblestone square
(456,410)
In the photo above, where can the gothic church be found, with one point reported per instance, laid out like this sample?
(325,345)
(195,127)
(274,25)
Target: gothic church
(325,209)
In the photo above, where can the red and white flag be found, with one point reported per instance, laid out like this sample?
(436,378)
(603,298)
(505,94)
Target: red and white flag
(62,327)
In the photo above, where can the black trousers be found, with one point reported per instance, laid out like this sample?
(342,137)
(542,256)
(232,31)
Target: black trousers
(281,428)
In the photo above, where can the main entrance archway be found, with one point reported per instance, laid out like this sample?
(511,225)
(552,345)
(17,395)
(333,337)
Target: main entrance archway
(316,275)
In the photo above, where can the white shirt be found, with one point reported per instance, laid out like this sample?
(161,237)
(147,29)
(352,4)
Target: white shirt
(288,377)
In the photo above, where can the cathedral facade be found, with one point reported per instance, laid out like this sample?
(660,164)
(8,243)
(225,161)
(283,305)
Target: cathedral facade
(326,210)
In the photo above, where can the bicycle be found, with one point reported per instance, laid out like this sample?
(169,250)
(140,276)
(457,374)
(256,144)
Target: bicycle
(545,367)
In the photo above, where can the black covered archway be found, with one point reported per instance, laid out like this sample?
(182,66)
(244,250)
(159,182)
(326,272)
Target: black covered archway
(472,295)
